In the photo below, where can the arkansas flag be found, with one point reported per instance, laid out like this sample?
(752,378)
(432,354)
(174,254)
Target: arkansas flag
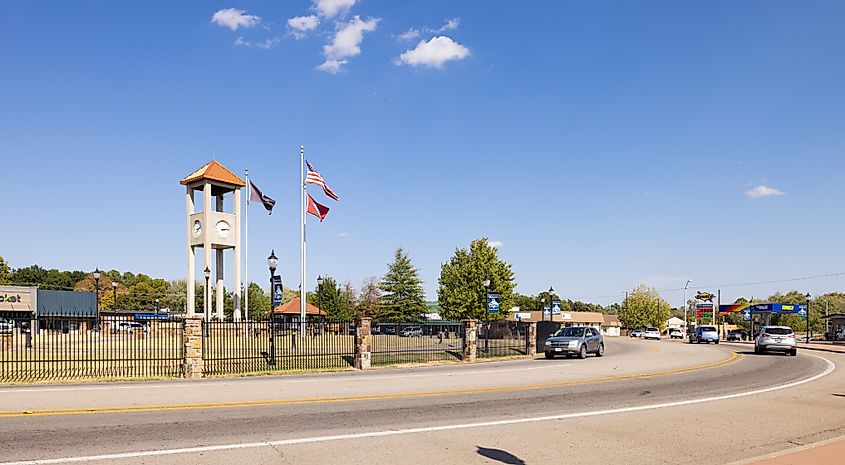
(314,208)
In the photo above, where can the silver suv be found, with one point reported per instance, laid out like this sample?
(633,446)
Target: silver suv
(574,341)
(776,338)
(706,334)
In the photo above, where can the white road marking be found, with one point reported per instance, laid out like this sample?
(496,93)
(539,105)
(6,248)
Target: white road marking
(428,429)
(281,381)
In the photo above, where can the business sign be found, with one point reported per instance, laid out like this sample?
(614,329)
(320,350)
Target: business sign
(547,311)
(277,291)
(779,309)
(17,299)
(493,302)
(556,307)
(151,316)
(703,310)
(746,315)
(706,296)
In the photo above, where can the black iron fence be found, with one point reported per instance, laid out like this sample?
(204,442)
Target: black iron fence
(261,346)
(75,346)
(396,343)
(502,339)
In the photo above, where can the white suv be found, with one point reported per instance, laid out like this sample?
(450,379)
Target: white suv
(776,338)
(651,333)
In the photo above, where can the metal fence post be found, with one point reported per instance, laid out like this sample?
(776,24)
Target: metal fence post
(192,365)
(470,340)
(363,346)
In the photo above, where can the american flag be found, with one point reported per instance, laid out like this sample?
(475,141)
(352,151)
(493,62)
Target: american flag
(313,177)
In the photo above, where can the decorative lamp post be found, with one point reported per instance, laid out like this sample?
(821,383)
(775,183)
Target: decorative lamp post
(686,308)
(551,303)
(808,318)
(155,309)
(487,315)
(272,263)
(207,273)
(97,303)
(542,309)
(114,294)
(319,293)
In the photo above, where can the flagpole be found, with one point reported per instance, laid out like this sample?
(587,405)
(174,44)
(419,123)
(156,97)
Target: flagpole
(246,246)
(303,248)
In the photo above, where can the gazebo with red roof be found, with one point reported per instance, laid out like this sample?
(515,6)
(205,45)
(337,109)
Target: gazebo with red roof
(289,310)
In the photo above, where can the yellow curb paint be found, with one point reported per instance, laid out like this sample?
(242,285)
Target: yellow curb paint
(734,357)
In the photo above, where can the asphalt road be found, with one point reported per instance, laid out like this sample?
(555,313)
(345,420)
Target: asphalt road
(627,407)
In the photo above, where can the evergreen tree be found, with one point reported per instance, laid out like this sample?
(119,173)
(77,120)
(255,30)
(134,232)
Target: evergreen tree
(461,293)
(403,298)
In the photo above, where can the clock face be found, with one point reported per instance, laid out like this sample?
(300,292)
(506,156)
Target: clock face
(197,230)
(223,229)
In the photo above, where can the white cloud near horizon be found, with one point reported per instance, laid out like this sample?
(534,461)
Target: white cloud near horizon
(496,244)
(346,43)
(763,191)
(332,8)
(234,18)
(299,25)
(434,53)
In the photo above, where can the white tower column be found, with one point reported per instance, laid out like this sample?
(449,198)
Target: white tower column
(237,258)
(218,266)
(190,305)
(206,244)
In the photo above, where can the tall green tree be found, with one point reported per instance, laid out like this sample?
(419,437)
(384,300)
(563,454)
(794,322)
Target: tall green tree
(368,301)
(403,297)
(348,301)
(328,298)
(259,303)
(461,292)
(5,272)
(644,307)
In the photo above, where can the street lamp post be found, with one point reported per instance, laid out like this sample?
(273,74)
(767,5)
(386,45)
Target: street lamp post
(487,316)
(686,309)
(155,309)
(551,303)
(319,294)
(207,273)
(97,303)
(808,318)
(543,309)
(114,294)
(272,263)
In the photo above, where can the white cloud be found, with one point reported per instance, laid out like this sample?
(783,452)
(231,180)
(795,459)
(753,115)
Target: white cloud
(450,25)
(234,18)
(496,244)
(434,53)
(332,66)
(263,44)
(299,25)
(343,234)
(332,8)
(763,191)
(346,43)
(410,34)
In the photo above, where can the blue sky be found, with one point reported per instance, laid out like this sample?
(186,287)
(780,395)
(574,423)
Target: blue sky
(602,144)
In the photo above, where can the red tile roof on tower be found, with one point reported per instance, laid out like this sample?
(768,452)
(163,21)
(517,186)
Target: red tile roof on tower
(292,308)
(215,172)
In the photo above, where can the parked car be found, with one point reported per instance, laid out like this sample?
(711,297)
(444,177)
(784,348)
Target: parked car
(574,341)
(676,333)
(637,333)
(737,335)
(6,327)
(706,334)
(410,331)
(387,329)
(776,338)
(651,333)
(132,326)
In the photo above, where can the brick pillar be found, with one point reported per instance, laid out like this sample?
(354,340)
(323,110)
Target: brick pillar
(363,343)
(192,366)
(532,338)
(470,340)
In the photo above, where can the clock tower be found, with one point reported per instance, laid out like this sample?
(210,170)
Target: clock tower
(213,229)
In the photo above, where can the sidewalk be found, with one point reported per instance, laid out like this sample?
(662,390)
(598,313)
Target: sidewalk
(826,453)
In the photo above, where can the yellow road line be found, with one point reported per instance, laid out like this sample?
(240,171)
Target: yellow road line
(734,357)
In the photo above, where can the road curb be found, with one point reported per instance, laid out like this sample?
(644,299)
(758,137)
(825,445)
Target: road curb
(790,451)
